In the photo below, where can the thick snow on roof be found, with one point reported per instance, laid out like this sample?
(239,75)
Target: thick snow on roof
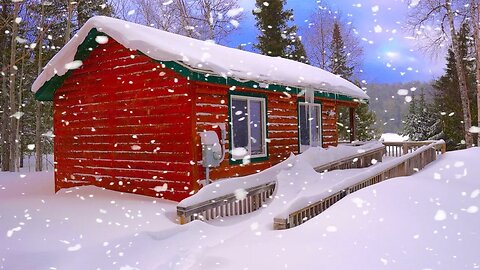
(201,55)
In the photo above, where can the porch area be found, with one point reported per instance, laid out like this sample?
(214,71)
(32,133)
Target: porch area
(317,186)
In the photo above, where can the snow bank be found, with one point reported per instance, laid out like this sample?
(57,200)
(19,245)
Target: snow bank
(201,55)
(430,220)
(314,186)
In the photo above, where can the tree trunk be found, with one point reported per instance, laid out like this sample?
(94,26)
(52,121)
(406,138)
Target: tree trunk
(38,104)
(462,78)
(69,20)
(18,149)
(13,106)
(6,111)
(476,36)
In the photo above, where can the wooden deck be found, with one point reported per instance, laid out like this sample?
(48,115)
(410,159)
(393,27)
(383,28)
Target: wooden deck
(412,157)
(420,155)
(229,205)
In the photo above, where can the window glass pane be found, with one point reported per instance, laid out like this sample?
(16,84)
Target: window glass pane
(256,126)
(315,124)
(239,123)
(304,126)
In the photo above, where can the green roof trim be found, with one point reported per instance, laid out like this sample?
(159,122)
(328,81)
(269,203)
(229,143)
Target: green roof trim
(46,92)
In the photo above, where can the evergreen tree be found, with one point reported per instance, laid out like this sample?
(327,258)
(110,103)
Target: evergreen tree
(411,120)
(447,104)
(277,37)
(338,62)
(338,66)
(365,123)
(421,122)
(428,125)
(296,50)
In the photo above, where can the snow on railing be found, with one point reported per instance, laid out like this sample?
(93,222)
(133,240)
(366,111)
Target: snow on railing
(405,165)
(228,205)
(222,198)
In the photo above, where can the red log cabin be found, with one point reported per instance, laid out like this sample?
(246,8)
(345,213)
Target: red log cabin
(132,105)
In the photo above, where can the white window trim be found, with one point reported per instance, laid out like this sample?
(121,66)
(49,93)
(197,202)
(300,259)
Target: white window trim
(309,107)
(264,123)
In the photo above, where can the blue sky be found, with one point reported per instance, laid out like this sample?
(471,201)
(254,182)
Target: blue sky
(390,53)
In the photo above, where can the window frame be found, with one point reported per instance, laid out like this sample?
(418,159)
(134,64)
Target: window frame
(263,106)
(309,109)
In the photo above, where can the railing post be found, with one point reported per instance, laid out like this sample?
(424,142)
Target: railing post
(182,218)
(405,149)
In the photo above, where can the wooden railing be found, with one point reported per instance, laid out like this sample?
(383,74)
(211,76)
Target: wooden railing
(397,149)
(359,160)
(228,205)
(404,167)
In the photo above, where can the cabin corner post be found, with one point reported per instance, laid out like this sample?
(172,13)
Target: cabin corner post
(352,124)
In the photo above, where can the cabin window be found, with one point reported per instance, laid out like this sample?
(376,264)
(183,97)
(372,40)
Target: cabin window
(248,127)
(310,125)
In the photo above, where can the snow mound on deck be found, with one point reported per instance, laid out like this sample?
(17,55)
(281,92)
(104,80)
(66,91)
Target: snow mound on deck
(312,157)
(201,55)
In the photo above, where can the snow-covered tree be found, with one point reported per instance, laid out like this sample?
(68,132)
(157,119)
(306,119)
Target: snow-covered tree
(443,13)
(421,123)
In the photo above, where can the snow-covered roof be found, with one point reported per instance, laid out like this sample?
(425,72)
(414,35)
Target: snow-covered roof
(201,56)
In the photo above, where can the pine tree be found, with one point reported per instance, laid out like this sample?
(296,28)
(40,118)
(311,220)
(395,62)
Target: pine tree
(427,122)
(295,49)
(447,103)
(277,37)
(421,122)
(411,120)
(338,66)
(365,123)
(338,62)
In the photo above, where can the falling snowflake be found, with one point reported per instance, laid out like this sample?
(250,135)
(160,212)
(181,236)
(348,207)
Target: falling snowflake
(74,64)
(440,215)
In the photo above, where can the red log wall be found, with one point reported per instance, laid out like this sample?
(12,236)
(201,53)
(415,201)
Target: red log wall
(124,123)
(282,113)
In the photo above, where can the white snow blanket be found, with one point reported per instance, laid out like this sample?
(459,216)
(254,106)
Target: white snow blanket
(430,220)
(200,55)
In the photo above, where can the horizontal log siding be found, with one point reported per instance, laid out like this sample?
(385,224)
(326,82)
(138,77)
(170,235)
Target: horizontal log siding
(329,123)
(212,108)
(124,123)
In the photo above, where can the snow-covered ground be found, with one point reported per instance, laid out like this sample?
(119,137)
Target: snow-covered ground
(430,220)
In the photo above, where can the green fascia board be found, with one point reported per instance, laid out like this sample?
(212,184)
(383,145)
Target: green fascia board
(46,92)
